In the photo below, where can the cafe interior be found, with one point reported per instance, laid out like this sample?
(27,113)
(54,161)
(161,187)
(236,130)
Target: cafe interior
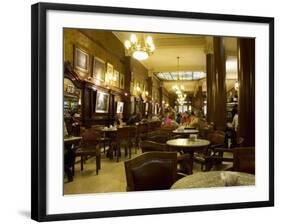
(157,111)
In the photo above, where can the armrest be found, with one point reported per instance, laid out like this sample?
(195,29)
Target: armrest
(222,150)
(216,146)
(180,175)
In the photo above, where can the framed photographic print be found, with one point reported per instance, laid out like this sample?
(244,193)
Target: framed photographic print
(99,69)
(81,60)
(102,102)
(234,49)
(122,81)
(109,73)
(116,78)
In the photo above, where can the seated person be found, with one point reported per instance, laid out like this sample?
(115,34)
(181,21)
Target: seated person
(135,118)
(169,121)
(185,119)
(118,119)
(194,121)
(155,118)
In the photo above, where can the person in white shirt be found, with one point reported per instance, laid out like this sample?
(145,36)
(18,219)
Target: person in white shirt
(235,122)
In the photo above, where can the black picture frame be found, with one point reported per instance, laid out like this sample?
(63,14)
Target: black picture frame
(102,102)
(39,112)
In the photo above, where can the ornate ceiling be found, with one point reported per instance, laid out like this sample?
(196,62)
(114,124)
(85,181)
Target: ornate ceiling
(191,52)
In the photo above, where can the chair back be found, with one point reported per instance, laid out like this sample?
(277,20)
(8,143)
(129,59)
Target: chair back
(126,133)
(151,171)
(90,137)
(216,138)
(154,125)
(244,159)
(150,146)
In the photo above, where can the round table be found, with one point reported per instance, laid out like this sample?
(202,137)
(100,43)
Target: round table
(185,132)
(190,145)
(187,146)
(212,179)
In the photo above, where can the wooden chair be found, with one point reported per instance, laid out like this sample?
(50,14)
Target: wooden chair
(89,147)
(184,161)
(204,158)
(125,137)
(141,133)
(244,159)
(151,171)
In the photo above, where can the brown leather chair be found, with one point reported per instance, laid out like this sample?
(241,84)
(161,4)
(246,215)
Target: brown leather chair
(244,159)
(151,146)
(184,161)
(151,171)
(89,147)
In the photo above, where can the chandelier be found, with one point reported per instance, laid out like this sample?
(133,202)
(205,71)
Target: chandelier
(140,49)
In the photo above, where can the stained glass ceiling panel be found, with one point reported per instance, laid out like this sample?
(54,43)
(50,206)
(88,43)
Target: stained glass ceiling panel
(182,75)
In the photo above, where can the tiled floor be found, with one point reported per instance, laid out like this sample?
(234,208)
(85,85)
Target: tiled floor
(111,177)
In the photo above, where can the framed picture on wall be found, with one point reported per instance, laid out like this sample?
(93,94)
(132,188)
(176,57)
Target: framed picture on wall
(109,73)
(122,81)
(102,102)
(81,60)
(99,69)
(49,201)
(116,78)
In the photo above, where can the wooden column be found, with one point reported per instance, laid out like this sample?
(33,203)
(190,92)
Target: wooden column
(218,84)
(210,93)
(246,98)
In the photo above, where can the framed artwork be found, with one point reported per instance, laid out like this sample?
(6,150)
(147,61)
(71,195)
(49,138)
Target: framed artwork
(122,81)
(109,73)
(102,102)
(120,107)
(116,78)
(81,60)
(48,199)
(99,69)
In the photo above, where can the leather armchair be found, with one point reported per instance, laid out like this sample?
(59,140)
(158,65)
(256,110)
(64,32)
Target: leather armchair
(151,171)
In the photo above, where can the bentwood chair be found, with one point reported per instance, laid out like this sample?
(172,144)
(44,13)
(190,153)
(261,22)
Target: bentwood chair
(89,147)
(151,171)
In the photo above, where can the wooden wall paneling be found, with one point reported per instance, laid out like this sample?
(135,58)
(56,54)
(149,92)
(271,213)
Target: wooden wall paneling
(246,98)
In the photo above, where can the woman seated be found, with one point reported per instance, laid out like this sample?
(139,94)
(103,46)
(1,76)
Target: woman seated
(169,121)
(185,119)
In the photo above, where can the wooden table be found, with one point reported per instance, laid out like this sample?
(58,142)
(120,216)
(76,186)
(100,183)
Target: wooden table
(69,155)
(212,179)
(185,145)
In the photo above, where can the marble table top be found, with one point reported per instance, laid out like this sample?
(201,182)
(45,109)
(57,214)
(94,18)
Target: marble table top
(185,142)
(185,131)
(212,179)
(72,139)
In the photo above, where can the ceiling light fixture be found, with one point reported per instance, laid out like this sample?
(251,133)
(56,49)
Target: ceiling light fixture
(139,49)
